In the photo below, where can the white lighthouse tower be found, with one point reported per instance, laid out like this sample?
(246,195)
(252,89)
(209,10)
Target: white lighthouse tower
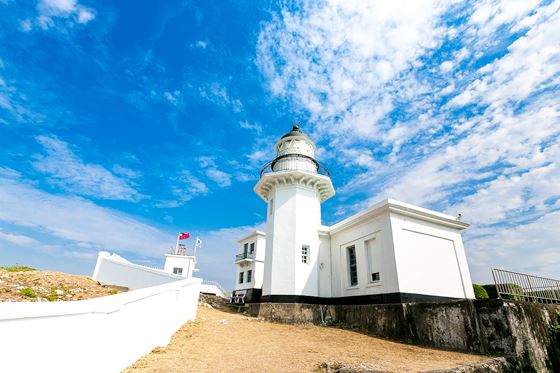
(294,185)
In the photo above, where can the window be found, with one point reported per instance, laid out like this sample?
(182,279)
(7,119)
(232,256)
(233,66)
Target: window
(240,277)
(352,265)
(271,207)
(305,254)
(375,276)
(245,248)
(252,248)
(178,271)
(249,275)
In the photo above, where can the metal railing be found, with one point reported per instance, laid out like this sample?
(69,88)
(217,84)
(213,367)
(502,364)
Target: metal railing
(523,287)
(226,293)
(269,166)
(244,256)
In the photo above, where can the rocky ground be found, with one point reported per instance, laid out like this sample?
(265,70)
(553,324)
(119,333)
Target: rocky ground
(224,341)
(24,284)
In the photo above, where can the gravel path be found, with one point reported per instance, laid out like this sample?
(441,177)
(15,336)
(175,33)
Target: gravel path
(221,341)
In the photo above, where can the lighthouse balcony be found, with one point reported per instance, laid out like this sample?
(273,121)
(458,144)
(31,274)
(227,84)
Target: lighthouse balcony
(244,257)
(289,162)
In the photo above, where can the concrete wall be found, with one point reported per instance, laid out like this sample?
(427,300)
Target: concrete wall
(96,335)
(430,259)
(255,262)
(295,220)
(114,270)
(374,232)
(519,331)
(186,262)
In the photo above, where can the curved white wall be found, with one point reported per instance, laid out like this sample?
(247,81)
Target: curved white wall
(96,335)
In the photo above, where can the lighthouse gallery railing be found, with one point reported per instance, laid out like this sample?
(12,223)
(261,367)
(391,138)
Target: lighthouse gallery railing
(269,166)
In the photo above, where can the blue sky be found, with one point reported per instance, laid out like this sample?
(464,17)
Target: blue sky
(122,123)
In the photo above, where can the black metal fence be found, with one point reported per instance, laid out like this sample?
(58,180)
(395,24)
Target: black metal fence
(524,287)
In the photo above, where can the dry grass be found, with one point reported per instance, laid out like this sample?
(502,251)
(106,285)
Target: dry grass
(24,284)
(220,341)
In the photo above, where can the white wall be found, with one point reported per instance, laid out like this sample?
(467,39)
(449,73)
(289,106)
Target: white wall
(430,259)
(96,335)
(186,262)
(294,222)
(114,270)
(378,229)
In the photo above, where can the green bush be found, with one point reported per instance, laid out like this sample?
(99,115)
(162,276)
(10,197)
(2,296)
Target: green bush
(28,292)
(479,292)
(513,288)
(18,269)
(491,291)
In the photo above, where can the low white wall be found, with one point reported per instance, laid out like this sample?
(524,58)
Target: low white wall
(115,270)
(104,334)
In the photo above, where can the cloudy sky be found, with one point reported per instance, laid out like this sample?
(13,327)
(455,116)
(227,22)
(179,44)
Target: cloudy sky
(123,123)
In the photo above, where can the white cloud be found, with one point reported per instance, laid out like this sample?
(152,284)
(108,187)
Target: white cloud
(17,239)
(337,59)
(218,247)
(77,220)
(51,13)
(184,188)
(218,94)
(528,248)
(68,171)
(221,178)
(491,153)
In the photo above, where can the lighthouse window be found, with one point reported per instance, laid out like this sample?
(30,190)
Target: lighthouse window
(271,207)
(241,277)
(252,248)
(178,271)
(249,275)
(352,266)
(305,254)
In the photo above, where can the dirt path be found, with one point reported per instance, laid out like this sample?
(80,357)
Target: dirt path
(220,341)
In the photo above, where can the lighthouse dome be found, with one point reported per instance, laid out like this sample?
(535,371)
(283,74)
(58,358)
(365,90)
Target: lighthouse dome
(295,151)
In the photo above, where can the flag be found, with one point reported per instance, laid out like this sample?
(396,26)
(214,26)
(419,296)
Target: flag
(183,236)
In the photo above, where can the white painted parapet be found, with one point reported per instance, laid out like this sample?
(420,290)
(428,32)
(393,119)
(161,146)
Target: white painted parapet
(114,270)
(104,334)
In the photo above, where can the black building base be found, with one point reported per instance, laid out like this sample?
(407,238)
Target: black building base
(252,296)
(390,298)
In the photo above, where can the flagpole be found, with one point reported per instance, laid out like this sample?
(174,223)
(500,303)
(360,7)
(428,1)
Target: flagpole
(195,245)
(177,244)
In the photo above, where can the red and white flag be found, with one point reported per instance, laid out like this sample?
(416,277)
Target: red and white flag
(183,236)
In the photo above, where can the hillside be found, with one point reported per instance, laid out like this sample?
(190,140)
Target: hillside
(24,284)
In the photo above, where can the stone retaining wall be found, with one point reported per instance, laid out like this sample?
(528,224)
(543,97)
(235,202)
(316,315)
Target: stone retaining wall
(517,330)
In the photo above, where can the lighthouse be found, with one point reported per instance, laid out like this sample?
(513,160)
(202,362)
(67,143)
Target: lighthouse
(293,185)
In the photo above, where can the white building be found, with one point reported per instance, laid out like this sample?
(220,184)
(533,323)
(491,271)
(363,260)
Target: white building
(391,252)
(250,266)
(180,262)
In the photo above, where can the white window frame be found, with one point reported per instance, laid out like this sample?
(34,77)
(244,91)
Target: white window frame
(249,275)
(240,277)
(352,267)
(178,271)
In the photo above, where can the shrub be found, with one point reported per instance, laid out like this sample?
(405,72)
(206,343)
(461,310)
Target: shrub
(479,292)
(513,288)
(18,269)
(491,291)
(28,292)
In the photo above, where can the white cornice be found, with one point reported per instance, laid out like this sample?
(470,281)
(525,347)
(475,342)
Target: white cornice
(252,234)
(321,183)
(393,206)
